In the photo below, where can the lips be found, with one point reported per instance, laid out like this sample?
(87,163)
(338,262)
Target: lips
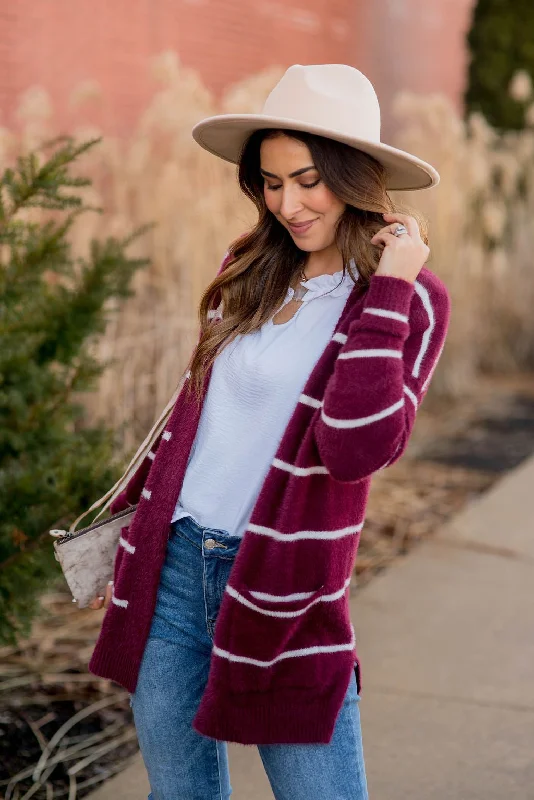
(299,228)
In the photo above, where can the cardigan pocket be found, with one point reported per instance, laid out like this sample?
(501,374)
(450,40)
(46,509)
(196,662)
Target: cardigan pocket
(289,606)
(266,634)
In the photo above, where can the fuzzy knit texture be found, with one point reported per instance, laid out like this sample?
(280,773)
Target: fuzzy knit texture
(284,646)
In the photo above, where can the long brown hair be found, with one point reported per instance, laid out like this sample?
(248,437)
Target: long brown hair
(265,261)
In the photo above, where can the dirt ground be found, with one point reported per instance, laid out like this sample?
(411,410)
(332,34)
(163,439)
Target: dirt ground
(63,731)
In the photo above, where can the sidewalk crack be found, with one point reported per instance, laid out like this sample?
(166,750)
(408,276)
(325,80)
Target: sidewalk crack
(450,699)
(483,548)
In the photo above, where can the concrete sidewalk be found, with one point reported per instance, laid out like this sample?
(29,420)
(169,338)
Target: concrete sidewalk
(446,639)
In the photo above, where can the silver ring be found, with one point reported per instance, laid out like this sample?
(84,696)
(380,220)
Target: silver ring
(400,230)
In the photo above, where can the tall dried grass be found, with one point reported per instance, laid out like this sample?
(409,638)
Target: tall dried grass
(481,229)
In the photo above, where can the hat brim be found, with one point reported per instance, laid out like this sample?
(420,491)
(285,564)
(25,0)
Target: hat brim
(224,135)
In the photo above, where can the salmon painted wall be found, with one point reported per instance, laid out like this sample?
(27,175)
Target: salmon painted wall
(59,43)
(413,44)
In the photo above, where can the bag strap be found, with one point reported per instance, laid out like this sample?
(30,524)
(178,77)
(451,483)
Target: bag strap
(106,500)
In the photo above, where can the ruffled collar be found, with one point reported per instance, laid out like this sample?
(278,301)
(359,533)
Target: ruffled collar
(332,285)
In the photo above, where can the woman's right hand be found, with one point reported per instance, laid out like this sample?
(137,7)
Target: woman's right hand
(102,602)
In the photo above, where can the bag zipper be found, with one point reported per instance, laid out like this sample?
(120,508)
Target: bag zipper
(74,534)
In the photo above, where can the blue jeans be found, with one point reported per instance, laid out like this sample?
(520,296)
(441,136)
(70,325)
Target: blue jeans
(181,763)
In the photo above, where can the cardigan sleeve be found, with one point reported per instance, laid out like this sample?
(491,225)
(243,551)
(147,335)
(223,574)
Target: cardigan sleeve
(381,375)
(130,496)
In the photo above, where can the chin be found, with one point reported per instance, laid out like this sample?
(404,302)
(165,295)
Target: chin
(309,247)
(314,248)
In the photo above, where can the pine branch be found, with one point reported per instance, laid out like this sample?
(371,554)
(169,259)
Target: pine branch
(34,185)
(34,545)
(51,461)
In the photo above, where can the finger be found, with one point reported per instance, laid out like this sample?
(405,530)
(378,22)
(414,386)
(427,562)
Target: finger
(405,219)
(405,233)
(389,229)
(385,237)
(109,593)
(379,233)
(96,603)
(409,223)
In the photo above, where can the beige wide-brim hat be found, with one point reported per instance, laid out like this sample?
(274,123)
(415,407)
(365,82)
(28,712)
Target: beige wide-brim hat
(331,100)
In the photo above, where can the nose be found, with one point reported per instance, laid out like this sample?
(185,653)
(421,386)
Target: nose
(291,202)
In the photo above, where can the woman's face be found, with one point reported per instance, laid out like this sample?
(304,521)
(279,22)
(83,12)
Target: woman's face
(296,195)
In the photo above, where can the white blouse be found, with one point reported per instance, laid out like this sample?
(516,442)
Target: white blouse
(254,388)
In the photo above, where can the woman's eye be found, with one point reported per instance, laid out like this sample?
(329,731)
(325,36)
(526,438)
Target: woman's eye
(304,186)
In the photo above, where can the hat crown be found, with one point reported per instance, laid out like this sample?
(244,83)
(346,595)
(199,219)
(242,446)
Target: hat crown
(335,95)
(334,101)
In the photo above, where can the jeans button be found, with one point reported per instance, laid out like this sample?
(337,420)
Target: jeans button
(209,544)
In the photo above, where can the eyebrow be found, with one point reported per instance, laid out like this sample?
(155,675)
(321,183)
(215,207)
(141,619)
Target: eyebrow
(291,174)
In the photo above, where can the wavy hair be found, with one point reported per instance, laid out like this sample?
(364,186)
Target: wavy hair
(264,262)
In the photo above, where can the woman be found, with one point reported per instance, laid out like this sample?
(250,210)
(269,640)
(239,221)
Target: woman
(228,616)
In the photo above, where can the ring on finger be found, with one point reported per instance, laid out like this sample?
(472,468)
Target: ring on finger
(400,230)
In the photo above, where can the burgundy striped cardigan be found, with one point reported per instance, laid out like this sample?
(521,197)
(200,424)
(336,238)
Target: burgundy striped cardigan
(284,646)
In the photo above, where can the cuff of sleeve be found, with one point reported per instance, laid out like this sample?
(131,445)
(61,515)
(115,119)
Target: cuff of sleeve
(390,293)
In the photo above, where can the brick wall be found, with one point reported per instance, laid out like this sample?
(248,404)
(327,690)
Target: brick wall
(59,43)
(414,44)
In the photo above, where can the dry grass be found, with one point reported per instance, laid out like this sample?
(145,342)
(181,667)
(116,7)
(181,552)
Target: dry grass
(64,730)
(481,230)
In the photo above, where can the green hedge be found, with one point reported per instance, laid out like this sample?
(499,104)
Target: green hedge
(53,305)
(501,42)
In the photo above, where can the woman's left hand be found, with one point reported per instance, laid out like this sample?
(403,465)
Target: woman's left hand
(402,256)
